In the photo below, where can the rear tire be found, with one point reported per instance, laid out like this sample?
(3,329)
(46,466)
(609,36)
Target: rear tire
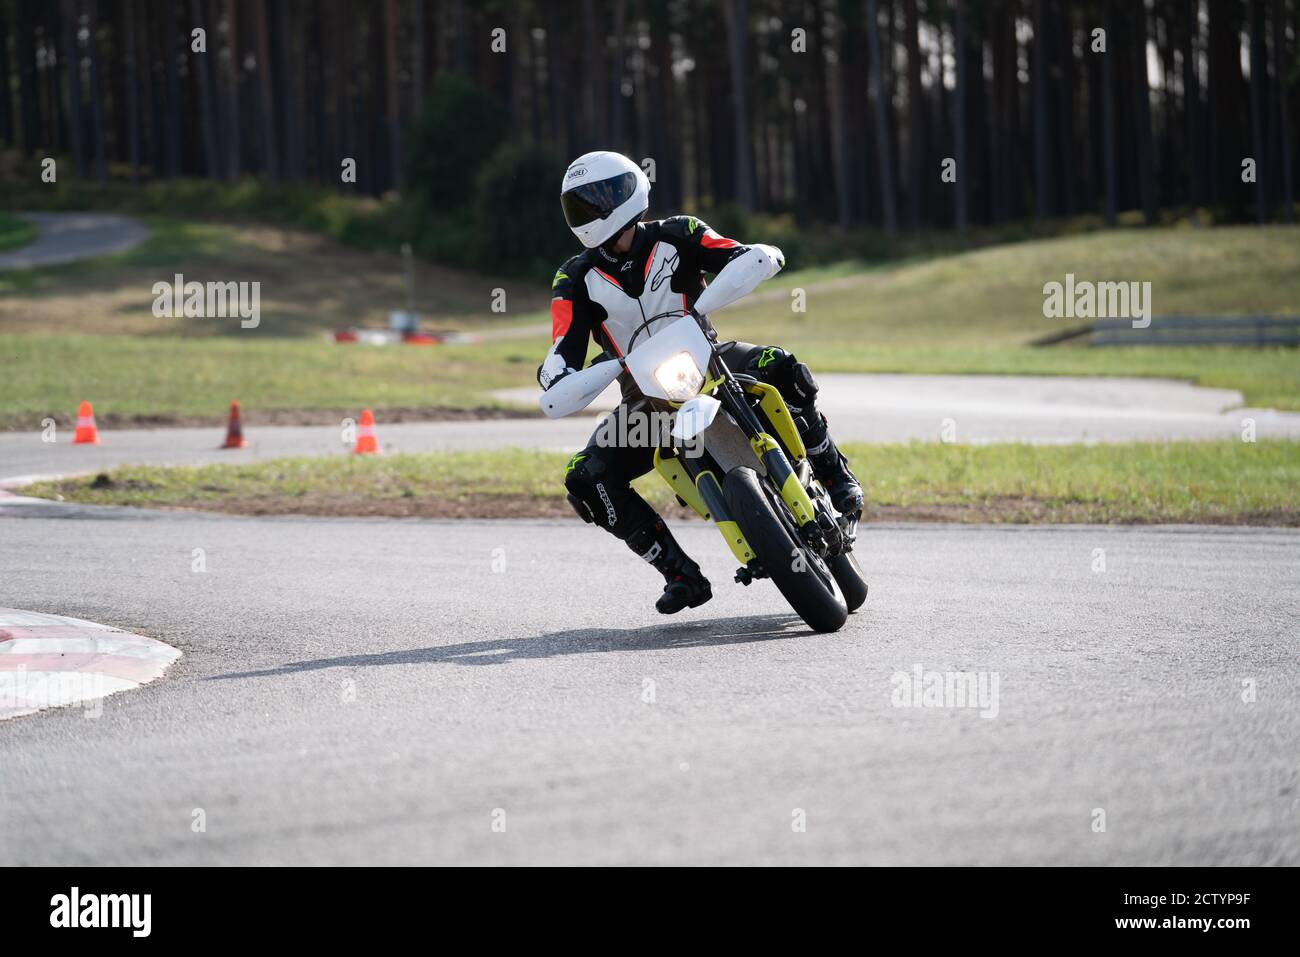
(811,591)
(848,575)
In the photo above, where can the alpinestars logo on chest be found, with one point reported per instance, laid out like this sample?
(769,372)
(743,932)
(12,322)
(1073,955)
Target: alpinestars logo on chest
(664,272)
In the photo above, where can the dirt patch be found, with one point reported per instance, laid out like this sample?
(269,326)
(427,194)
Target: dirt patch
(1020,511)
(485,506)
(472,506)
(1013,511)
(31,422)
(105,482)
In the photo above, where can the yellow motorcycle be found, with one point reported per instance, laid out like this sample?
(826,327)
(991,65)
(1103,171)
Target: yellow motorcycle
(736,460)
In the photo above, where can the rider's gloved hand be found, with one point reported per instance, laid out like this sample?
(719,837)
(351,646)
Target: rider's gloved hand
(552,371)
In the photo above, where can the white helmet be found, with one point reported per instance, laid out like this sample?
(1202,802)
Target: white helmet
(602,194)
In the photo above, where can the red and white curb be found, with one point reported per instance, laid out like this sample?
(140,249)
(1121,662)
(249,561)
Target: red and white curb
(52,661)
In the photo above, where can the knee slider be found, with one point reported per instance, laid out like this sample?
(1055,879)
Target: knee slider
(582,508)
(581,474)
(803,385)
(791,377)
(589,495)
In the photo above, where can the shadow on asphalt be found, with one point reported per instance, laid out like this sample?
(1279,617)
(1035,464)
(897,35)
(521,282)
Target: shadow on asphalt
(581,641)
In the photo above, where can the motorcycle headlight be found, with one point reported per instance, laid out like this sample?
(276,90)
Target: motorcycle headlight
(679,377)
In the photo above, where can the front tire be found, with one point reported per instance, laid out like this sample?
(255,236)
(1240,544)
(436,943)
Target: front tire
(800,573)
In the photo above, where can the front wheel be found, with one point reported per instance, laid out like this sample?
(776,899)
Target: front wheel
(800,573)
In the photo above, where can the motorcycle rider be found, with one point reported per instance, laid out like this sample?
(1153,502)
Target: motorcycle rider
(631,275)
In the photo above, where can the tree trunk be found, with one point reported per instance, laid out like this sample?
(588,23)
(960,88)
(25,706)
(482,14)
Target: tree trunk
(641,95)
(959,120)
(1003,113)
(596,125)
(132,90)
(1108,119)
(267,99)
(881,111)
(202,66)
(666,122)
(345,131)
(375,145)
(6,104)
(915,116)
(1042,157)
(394,110)
(1145,151)
(1226,94)
(418,77)
(96,90)
(290,100)
(617,104)
(152,95)
(29,94)
(173,129)
(1063,37)
(737,12)
(558,80)
(325,150)
(1280,71)
(232,91)
(839,129)
(1258,79)
(1192,107)
(819,113)
(72,68)
(458,37)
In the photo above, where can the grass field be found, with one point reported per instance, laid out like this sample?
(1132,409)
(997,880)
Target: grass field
(978,312)
(15,232)
(87,331)
(1208,482)
(156,380)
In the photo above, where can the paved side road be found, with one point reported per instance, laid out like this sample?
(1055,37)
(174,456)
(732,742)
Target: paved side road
(886,407)
(359,691)
(68,237)
(862,408)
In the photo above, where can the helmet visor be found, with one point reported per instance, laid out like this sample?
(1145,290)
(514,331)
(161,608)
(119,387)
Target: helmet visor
(591,201)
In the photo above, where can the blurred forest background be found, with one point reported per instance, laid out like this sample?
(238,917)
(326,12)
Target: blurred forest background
(771,116)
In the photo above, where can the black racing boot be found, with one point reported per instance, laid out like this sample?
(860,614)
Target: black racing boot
(685,586)
(832,468)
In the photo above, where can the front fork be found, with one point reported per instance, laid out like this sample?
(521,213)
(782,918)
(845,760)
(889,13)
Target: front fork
(769,452)
(783,476)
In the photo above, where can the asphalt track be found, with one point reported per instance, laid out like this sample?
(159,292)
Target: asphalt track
(863,408)
(374,691)
(69,237)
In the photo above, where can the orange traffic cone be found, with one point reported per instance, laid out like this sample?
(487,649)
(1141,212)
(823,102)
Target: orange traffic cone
(86,434)
(234,431)
(366,443)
